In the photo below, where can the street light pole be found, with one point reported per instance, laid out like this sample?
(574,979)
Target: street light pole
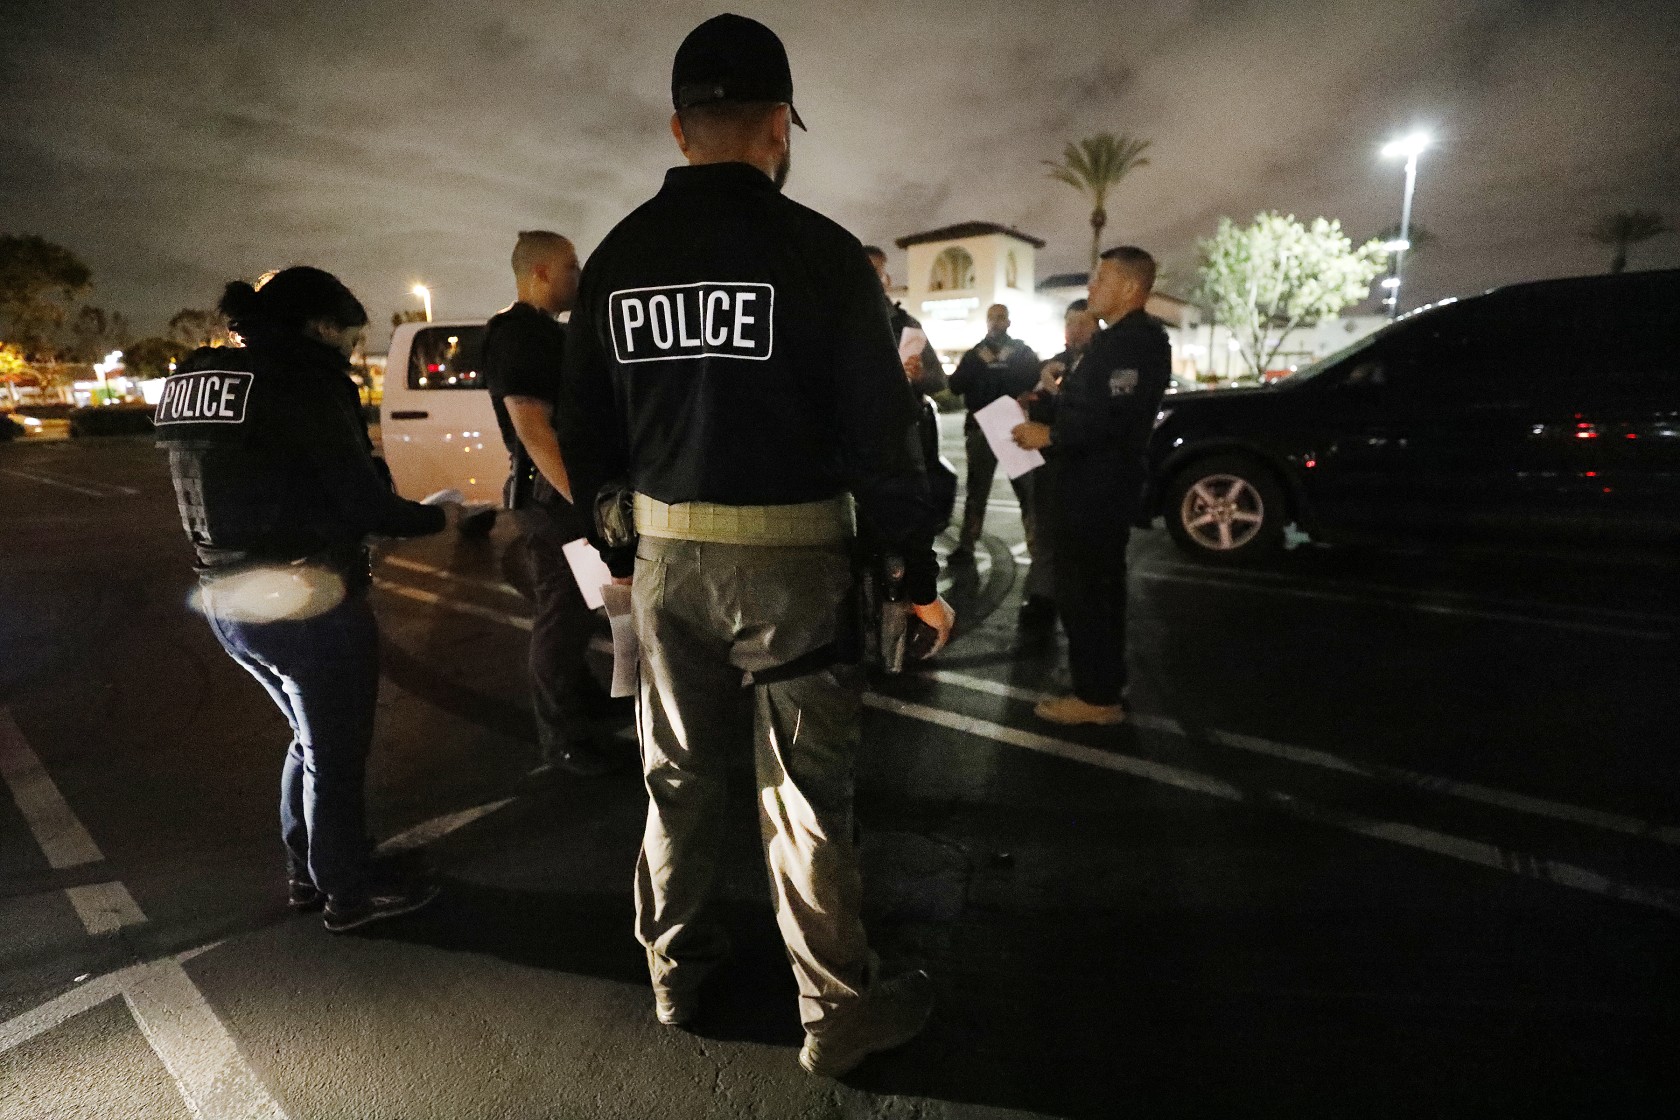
(1410,147)
(425,293)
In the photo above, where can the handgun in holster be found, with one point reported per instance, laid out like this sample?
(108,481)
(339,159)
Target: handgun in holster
(888,630)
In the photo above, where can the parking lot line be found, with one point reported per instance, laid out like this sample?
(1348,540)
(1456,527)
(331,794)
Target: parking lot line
(1430,783)
(499,586)
(518,622)
(1521,864)
(427,831)
(1378,595)
(105,490)
(195,1047)
(61,836)
(104,907)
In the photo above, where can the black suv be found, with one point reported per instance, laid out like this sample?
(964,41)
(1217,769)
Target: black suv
(1540,411)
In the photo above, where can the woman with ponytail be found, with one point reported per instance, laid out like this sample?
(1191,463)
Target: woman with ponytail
(279,492)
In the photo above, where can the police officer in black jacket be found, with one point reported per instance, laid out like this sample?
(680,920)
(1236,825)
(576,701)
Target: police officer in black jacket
(523,347)
(278,491)
(927,377)
(1095,447)
(730,360)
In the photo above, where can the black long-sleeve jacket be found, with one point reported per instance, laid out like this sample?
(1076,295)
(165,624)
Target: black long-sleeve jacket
(1106,411)
(731,346)
(994,368)
(272,462)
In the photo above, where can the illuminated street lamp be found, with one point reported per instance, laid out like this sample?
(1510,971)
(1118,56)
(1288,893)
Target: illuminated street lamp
(425,294)
(1410,147)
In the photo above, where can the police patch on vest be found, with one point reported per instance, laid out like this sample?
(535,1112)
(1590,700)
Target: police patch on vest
(1122,382)
(712,319)
(211,396)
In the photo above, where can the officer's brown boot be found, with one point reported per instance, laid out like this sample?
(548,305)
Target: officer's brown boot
(1071,710)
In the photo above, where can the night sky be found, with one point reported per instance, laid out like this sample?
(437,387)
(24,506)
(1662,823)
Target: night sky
(175,145)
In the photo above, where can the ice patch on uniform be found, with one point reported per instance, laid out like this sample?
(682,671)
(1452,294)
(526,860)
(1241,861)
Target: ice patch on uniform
(1122,382)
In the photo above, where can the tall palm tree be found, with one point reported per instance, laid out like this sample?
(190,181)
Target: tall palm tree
(1093,167)
(1625,228)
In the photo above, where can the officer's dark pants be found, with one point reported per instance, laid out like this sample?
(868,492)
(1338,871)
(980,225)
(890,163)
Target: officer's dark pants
(706,614)
(562,690)
(982,468)
(323,675)
(1090,574)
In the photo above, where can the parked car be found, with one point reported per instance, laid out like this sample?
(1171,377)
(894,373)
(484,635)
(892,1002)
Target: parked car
(436,423)
(1547,410)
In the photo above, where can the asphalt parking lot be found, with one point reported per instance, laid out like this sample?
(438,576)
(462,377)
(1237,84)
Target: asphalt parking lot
(1390,834)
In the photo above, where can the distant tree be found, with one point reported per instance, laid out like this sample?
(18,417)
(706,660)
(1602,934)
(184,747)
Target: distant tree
(39,283)
(193,327)
(151,357)
(92,333)
(413,315)
(14,368)
(1623,229)
(1268,278)
(1093,167)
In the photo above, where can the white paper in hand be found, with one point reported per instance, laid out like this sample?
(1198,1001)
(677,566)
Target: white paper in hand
(444,497)
(997,420)
(911,343)
(627,649)
(588,569)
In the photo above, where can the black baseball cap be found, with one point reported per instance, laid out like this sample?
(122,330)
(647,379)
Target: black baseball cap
(732,58)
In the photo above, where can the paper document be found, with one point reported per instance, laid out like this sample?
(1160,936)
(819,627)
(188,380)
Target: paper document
(588,569)
(627,650)
(911,343)
(997,420)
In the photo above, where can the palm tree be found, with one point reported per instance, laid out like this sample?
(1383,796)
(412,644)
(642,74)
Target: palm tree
(1092,167)
(1625,228)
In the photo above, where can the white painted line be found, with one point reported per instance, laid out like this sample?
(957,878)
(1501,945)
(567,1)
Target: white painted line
(105,907)
(1521,864)
(1428,783)
(84,997)
(1409,605)
(496,585)
(61,836)
(47,480)
(1018,549)
(1044,744)
(213,1077)
(436,828)
(455,605)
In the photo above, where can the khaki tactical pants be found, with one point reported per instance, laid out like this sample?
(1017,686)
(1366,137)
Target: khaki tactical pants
(707,614)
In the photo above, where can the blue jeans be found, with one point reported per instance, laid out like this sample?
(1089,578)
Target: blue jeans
(323,675)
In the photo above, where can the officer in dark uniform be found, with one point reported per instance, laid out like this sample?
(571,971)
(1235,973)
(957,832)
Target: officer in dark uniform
(927,377)
(279,490)
(523,346)
(730,360)
(994,367)
(1103,416)
(1038,603)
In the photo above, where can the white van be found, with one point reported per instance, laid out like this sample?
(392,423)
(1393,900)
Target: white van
(437,425)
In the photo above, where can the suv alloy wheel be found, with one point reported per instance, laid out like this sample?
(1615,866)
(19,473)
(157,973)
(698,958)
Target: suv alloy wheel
(1226,509)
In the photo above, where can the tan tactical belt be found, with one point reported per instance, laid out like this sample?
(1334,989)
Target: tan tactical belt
(790,526)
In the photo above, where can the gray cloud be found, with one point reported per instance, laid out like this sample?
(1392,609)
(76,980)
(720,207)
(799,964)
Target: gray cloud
(175,145)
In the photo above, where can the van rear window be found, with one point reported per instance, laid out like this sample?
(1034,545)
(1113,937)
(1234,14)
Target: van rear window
(447,358)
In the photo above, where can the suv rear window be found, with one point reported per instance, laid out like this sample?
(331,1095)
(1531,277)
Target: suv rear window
(446,358)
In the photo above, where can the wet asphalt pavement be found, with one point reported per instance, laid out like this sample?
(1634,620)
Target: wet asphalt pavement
(1391,834)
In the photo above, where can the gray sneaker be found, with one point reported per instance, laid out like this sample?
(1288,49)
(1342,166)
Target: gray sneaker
(888,1017)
